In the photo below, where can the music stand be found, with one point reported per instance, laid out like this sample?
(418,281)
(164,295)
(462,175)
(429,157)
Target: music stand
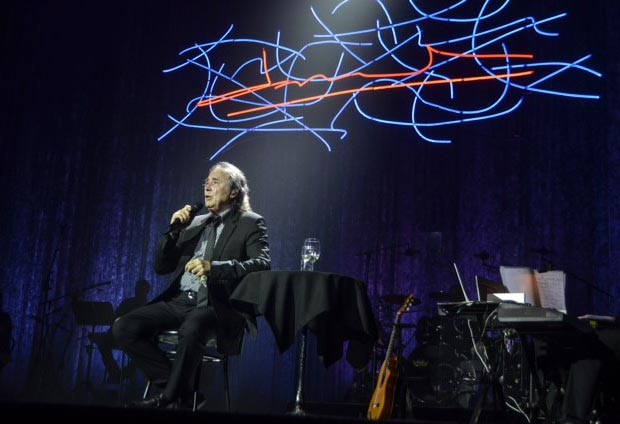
(93,314)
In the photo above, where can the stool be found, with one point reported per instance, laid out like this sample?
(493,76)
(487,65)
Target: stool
(170,339)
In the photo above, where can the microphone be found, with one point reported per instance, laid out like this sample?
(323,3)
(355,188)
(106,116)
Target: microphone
(177,225)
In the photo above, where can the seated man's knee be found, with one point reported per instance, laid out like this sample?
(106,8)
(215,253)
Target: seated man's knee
(122,330)
(195,334)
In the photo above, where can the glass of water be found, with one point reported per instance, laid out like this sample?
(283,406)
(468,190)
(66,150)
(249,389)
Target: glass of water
(310,253)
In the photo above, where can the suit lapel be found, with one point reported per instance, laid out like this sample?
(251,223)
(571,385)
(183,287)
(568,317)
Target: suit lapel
(194,229)
(229,227)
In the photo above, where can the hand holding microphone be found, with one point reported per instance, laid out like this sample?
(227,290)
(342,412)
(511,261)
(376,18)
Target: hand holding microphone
(181,218)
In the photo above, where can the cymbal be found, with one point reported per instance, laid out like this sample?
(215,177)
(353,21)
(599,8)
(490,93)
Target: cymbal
(441,295)
(399,299)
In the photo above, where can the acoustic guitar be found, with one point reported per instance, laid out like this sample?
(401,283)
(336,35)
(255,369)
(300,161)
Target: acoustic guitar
(382,401)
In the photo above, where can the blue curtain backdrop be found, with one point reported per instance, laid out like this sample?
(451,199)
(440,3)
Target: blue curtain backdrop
(87,189)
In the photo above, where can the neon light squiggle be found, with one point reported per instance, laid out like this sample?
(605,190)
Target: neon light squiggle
(277,88)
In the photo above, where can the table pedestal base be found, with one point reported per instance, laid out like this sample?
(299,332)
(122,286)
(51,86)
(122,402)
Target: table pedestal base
(301,370)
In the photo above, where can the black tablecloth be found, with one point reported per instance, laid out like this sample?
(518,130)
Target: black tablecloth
(335,308)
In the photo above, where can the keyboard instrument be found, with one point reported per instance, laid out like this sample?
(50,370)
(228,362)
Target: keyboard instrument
(465,308)
(537,319)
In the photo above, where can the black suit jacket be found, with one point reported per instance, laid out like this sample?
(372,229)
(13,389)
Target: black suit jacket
(241,248)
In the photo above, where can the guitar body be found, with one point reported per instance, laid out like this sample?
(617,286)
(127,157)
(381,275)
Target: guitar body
(382,402)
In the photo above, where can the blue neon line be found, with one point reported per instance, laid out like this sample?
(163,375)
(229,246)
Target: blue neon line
(336,38)
(286,62)
(539,64)
(268,113)
(460,20)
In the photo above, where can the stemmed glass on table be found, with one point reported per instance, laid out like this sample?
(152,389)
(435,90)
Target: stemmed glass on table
(310,253)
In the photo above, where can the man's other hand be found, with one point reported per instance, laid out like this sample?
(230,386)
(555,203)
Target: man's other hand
(198,267)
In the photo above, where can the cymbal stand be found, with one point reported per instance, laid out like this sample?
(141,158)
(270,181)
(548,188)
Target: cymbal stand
(367,254)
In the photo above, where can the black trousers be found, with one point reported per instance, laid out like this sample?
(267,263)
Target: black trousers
(583,377)
(135,333)
(594,368)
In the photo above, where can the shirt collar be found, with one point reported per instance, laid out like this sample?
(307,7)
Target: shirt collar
(222,216)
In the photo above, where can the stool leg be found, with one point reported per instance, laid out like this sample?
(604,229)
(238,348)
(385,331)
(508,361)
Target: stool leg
(226,382)
(196,387)
(121,386)
(147,389)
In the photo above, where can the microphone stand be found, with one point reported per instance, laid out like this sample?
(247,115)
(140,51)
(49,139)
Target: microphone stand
(40,347)
(588,284)
(548,266)
(373,371)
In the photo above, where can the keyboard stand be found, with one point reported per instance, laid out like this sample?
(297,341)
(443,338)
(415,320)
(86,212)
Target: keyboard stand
(489,379)
(491,383)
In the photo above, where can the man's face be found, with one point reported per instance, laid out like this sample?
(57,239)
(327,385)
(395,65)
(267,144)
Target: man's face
(217,193)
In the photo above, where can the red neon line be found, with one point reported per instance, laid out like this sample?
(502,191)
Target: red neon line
(321,77)
(243,91)
(379,88)
(483,56)
(266,67)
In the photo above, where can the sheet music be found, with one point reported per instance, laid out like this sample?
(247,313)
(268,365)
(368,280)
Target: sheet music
(551,289)
(520,280)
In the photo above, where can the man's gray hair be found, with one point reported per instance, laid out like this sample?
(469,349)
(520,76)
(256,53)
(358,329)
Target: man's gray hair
(236,181)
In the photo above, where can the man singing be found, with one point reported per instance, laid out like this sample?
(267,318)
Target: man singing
(208,254)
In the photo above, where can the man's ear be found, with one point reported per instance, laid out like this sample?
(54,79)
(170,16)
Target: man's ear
(234,192)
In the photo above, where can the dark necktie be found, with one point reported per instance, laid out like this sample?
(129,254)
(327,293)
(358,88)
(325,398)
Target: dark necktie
(203,292)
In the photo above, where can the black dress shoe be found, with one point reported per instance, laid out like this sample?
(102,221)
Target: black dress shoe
(154,402)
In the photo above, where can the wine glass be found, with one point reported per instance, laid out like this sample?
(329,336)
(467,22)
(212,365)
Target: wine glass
(310,253)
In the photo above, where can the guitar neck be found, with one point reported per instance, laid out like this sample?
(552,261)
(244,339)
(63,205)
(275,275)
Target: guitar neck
(390,348)
(404,308)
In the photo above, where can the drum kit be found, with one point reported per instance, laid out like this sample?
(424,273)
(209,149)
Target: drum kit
(441,370)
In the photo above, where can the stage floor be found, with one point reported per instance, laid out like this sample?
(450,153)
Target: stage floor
(317,413)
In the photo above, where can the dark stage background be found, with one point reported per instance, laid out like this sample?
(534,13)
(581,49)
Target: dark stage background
(87,189)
